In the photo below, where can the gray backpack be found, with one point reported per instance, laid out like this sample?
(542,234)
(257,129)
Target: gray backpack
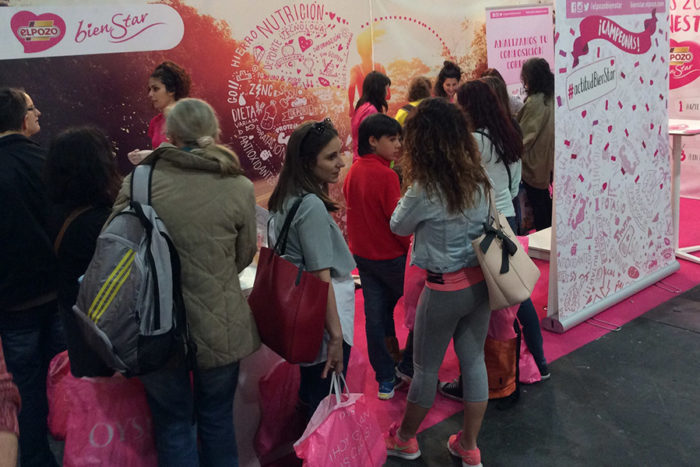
(130,308)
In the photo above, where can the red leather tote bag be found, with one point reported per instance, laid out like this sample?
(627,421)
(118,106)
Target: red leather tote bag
(288,302)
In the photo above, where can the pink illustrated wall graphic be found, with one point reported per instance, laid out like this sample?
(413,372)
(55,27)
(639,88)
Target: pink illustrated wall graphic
(684,102)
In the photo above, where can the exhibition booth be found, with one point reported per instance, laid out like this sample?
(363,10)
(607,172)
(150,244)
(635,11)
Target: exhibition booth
(268,66)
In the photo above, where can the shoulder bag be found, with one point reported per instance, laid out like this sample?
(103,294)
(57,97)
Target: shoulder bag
(509,272)
(288,302)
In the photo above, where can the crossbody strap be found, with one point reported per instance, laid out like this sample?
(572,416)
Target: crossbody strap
(71,217)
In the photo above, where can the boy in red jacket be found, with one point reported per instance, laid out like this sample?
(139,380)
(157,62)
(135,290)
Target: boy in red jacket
(372,191)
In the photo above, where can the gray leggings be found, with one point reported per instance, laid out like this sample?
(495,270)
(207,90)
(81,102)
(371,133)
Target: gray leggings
(462,314)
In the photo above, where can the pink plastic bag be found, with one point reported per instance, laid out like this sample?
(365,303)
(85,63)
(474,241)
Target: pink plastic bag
(58,395)
(413,282)
(342,432)
(281,421)
(109,423)
(529,373)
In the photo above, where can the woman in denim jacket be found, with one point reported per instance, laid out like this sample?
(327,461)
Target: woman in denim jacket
(445,207)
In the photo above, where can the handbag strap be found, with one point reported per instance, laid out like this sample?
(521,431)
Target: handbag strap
(510,179)
(71,217)
(284,233)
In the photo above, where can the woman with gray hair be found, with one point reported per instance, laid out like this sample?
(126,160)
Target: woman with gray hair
(199,191)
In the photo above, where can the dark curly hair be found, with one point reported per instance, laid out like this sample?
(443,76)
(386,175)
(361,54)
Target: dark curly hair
(441,155)
(305,144)
(374,91)
(484,111)
(537,77)
(449,70)
(174,78)
(80,169)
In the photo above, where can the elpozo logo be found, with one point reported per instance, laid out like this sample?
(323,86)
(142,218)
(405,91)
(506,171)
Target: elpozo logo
(71,30)
(680,56)
(37,33)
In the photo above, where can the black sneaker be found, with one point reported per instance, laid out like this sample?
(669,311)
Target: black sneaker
(544,372)
(452,389)
(404,374)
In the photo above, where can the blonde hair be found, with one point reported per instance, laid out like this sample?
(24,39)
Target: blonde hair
(193,123)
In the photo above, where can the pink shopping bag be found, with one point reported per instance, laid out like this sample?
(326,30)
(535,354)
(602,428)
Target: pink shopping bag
(109,423)
(342,432)
(58,395)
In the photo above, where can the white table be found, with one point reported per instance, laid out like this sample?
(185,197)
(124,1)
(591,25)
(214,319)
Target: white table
(678,129)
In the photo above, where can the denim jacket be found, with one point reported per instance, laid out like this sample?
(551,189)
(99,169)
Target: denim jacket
(442,241)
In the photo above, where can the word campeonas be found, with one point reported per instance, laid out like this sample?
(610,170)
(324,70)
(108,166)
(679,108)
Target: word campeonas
(121,28)
(607,28)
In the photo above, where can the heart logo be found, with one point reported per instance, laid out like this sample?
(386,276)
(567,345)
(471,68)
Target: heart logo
(304,43)
(37,33)
(684,62)
(331,15)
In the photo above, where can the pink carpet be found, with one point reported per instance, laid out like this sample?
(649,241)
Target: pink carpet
(361,376)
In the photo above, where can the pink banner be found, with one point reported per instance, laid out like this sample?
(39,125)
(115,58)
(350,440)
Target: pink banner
(600,27)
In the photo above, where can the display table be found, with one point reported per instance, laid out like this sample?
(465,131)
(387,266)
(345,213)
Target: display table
(540,244)
(678,129)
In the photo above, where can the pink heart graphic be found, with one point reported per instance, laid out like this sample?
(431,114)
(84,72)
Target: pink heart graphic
(305,43)
(340,47)
(37,33)
(685,63)
(331,15)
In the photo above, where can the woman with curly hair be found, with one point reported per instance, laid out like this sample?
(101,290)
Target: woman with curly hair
(448,80)
(168,83)
(375,93)
(445,207)
(536,120)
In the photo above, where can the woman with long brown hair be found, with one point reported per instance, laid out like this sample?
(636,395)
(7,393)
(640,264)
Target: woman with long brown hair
(445,207)
(313,161)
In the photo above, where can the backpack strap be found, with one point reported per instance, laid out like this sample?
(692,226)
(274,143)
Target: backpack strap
(141,184)
(408,108)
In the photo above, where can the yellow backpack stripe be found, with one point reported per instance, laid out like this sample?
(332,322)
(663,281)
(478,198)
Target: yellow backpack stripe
(109,283)
(125,274)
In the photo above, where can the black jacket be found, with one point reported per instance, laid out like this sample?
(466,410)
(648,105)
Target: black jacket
(27,261)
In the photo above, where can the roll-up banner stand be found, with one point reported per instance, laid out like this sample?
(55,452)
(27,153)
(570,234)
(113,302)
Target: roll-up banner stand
(612,230)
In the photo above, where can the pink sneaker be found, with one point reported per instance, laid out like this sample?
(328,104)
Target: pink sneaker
(471,458)
(403,449)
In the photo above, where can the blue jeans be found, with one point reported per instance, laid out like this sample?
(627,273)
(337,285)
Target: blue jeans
(382,287)
(173,405)
(30,339)
(312,388)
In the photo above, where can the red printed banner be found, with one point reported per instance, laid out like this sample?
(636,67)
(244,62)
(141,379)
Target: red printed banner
(600,27)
